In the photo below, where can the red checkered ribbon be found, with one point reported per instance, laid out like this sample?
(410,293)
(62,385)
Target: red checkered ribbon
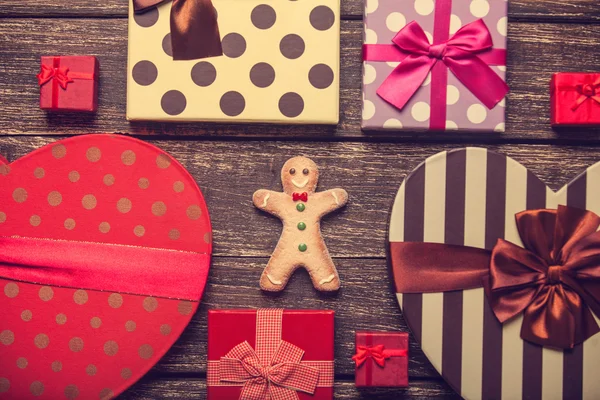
(274,370)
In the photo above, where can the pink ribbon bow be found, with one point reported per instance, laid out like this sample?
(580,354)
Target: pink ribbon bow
(377,353)
(586,92)
(459,54)
(61,74)
(279,380)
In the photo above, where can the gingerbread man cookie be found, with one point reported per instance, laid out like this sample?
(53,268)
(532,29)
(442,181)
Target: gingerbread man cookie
(301,243)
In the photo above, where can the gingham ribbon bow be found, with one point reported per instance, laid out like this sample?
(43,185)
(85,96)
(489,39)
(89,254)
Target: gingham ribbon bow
(280,380)
(61,74)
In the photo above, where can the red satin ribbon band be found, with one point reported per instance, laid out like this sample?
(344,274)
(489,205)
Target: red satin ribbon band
(554,280)
(377,353)
(60,77)
(468,54)
(194,27)
(106,267)
(589,90)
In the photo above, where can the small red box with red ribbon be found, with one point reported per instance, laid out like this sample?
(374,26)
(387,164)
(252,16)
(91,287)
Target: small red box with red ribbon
(381,359)
(270,353)
(69,83)
(575,99)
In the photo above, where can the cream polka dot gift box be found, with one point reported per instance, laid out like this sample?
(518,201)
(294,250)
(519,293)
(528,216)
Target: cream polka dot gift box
(280,64)
(434,65)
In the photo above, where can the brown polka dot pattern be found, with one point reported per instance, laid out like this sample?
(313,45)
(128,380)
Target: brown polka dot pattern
(232,103)
(11,290)
(22,363)
(130,326)
(36,388)
(108,180)
(174,234)
(263,16)
(144,183)
(26,315)
(95,322)
(61,319)
(146,18)
(93,154)
(322,18)
(126,373)
(178,187)
(70,224)
(262,75)
(59,151)
(204,74)
(145,351)
(111,348)
(139,231)
(71,392)
(41,341)
(35,220)
(76,344)
(128,157)
(159,208)
(144,73)
(104,227)
(106,394)
(173,102)
(54,198)
(163,161)
(80,297)
(234,45)
(4,169)
(185,307)
(46,293)
(56,366)
(124,205)
(193,212)
(91,370)
(74,176)
(150,304)
(320,76)
(39,173)
(291,105)
(4,385)
(20,195)
(7,337)
(208,237)
(165,329)
(115,300)
(2,217)
(292,46)
(167,45)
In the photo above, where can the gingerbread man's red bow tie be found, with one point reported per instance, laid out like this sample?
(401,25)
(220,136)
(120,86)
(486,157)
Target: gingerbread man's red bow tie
(300,196)
(49,73)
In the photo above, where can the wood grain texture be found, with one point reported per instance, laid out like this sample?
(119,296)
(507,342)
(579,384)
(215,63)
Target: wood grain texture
(535,52)
(548,10)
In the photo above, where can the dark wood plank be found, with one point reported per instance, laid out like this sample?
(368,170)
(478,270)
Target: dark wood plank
(549,10)
(535,52)
(156,388)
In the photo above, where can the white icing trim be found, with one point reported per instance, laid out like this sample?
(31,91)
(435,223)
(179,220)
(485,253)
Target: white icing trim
(264,204)
(336,198)
(300,185)
(327,280)
(274,281)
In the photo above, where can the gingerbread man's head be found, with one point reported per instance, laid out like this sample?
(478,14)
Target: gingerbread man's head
(299,174)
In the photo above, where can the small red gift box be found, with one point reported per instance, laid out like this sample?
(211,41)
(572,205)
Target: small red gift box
(270,353)
(575,98)
(381,359)
(69,83)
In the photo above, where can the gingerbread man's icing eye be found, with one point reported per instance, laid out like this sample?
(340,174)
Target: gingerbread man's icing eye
(292,171)
(305,171)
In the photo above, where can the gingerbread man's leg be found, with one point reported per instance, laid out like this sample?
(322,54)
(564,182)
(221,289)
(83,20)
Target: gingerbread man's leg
(322,272)
(278,271)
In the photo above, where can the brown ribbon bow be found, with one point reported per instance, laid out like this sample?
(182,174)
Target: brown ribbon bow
(554,280)
(194,27)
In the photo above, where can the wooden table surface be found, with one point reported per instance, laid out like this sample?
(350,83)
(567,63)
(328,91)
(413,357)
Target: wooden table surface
(230,162)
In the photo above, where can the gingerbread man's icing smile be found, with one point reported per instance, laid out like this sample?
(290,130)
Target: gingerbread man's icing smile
(300,209)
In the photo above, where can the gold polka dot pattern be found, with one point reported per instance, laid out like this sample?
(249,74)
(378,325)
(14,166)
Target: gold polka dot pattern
(35,220)
(124,205)
(7,337)
(111,348)
(74,176)
(61,319)
(70,224)
(71,392)
(150,304)
(80,297)
(46,293)
(56,366)
(95,322)
(76,344)
(115,300)
(22,363)
(11,290)
(39,173)
(41,341)
(26,315)
(36,388)
(91,370)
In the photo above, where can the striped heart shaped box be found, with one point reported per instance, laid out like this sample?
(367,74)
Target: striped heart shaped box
(109,194)
(470,197)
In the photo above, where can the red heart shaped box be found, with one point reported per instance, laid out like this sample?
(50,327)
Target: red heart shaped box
(65,342)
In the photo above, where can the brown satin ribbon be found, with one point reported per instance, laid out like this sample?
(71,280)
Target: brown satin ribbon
(554,279)
(194,27)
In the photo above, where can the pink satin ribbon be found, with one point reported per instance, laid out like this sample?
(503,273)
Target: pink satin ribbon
(107,267)
(468,54)
(60,76)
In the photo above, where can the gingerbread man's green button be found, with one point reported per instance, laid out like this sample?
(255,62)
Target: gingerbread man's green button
(301,226)
(302,247)
(300,207)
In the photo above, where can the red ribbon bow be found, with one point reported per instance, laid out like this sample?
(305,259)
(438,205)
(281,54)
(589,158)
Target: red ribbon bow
(459,54)
(60,74)
(280,379)
(300,196)
(586,92)
(377,353)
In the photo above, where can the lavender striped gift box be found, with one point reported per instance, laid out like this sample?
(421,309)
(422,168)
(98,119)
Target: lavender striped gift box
(469,197)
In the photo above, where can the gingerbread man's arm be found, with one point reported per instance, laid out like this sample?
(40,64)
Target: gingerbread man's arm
(266,200)
(331,200)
